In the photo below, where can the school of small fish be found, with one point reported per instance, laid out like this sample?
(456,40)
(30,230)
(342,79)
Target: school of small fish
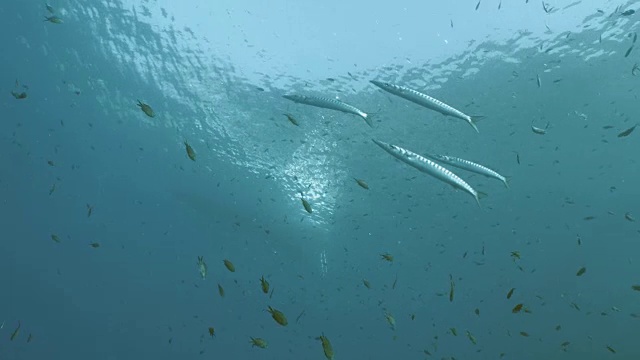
(430,163)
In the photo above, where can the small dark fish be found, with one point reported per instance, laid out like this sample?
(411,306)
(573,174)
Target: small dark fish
(89,210)
(612,350)
(606,127)
(19,96)
(635,37)
(581,271)
(451,23)
(500,5)
(306,204)
(362,183)
(635,287)
(292,119)
(190,152)
(628,12)
(516,309)
(545,8)
(629,217)
(517,157)
(16,331)
(628,51)
(477,6)
(510,293)
(95,245)
(628,131)
(53,19)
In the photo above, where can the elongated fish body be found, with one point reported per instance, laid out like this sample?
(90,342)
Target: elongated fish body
(427,166)
(469,166)
(426,101)
(327,103)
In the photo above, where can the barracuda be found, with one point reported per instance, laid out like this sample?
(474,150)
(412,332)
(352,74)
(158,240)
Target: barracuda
(327,103)
(427,101)
(469,166)
(427,166)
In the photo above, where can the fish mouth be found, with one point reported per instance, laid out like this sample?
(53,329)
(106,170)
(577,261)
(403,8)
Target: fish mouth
(290,97)
(378,83)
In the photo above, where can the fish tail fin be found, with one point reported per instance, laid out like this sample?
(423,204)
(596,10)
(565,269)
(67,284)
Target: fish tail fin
(367,119)
(480,195)
(473,120)
(506,181)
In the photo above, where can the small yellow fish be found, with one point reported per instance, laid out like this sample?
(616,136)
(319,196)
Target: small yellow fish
(261,343)
(55,238)
(190,153)
(366,283)
(53,19)
(635,287)
(202,267)
(471,338)
(386,256)
(278,316)
(212,332)
(524,333)
(306,205)
(454,332)
(326,346)
(229,265)
(19,95)
(390,319)
(146,109)
(362,183)
(516,309)
(264,284)
(220,290)
(292,119)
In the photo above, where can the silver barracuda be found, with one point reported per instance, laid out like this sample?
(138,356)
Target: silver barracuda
(327,103)
(426,101)
(469,166)
(427,166)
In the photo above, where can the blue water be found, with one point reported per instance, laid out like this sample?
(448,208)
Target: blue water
(215,75)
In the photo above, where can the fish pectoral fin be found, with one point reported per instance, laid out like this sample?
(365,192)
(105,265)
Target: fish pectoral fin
(476,118)
(482,195)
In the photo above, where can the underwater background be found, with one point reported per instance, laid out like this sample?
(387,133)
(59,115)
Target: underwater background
(105,215)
